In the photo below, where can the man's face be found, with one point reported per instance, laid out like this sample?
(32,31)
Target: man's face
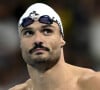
(41,43)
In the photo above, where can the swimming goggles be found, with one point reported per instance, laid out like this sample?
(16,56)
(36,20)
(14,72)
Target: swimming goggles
(45,19)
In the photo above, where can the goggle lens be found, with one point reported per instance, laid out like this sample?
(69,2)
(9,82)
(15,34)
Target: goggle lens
(27,21)
(43,19)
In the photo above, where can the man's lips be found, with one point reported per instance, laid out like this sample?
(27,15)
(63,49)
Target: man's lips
(38,50)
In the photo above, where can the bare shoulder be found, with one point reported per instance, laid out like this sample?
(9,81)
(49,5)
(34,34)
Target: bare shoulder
(24,86)
(89,80)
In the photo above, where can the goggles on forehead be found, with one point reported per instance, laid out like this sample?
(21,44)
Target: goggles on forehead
(45,19)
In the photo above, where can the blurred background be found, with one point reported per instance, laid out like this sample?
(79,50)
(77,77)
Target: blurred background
(81,22)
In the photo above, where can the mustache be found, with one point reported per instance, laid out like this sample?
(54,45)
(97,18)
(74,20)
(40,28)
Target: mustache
(38,46)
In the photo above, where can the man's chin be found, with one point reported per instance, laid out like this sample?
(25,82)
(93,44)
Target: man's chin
(42,64)
(40,58)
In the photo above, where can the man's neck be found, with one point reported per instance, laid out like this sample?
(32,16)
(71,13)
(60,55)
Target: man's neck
(51,79)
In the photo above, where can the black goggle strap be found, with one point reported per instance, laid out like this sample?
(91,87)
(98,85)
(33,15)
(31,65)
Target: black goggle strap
(59,26)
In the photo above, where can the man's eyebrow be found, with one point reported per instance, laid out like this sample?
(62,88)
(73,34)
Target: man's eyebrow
(47,25)
(26,28)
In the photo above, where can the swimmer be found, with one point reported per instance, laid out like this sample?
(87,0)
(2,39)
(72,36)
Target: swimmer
(41,41)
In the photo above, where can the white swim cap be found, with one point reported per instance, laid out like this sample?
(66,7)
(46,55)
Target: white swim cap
(41,9)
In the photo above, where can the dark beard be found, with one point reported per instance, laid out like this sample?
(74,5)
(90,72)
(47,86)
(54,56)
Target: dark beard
(44,65)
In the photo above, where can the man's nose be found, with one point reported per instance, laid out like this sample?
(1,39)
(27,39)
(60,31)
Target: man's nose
(38,39)
(38,44)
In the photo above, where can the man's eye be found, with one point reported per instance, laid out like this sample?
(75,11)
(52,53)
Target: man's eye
(47,31)
(28,33)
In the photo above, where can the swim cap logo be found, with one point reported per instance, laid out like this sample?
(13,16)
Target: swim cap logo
(34,15)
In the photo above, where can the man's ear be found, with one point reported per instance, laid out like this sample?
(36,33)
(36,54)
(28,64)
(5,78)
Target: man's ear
(63,42)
